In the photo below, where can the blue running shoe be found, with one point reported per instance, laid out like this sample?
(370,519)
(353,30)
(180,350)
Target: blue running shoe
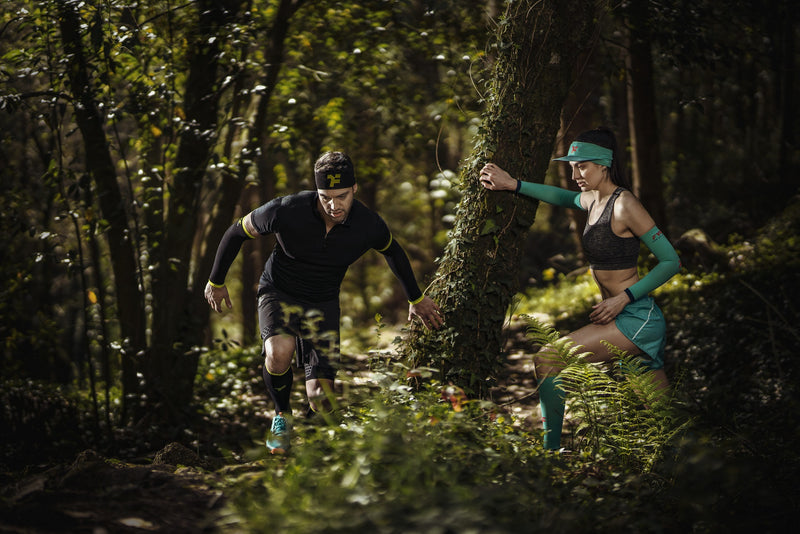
(279,436)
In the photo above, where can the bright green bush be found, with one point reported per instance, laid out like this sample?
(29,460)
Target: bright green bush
(565,297)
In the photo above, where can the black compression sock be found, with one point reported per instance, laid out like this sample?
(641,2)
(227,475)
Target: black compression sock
(279,388)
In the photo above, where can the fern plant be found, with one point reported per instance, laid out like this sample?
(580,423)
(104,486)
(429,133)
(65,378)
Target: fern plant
(620,411)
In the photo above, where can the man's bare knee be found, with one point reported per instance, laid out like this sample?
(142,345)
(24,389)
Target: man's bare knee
(278,352)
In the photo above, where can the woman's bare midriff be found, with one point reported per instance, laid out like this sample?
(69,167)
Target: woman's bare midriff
(613,283)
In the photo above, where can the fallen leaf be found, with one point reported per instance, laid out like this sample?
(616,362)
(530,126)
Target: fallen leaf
(137,522)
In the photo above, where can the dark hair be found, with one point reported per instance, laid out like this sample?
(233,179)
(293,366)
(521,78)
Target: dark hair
(333,162)
(605,138)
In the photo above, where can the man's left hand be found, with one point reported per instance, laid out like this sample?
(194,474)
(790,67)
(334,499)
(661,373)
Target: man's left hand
(428,311)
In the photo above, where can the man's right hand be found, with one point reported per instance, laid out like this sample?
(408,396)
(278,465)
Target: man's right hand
(215,296)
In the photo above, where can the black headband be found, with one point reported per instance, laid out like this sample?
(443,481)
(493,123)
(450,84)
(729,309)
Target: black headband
(338,179)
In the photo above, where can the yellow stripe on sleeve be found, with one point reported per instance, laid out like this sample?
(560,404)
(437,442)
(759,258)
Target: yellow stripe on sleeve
(387,244)
(241,221)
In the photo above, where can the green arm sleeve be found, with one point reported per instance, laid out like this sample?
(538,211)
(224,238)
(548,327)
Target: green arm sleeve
(668,264)
(550,194)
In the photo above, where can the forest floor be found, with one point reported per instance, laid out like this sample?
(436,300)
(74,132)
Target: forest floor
(175,490)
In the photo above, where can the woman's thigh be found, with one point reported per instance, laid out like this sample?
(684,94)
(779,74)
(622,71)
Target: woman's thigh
(592,336)
(588,339)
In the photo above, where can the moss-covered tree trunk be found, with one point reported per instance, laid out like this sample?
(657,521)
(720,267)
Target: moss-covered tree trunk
(538,44)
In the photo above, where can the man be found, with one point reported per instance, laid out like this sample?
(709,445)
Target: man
(319,235)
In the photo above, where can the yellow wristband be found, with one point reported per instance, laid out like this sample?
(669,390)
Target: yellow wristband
(212,284)
(413,302)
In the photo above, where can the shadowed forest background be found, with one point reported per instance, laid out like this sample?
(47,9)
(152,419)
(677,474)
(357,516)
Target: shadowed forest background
(135,133)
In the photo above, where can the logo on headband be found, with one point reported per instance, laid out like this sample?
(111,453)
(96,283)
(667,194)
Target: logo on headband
(333,179)
(581,151)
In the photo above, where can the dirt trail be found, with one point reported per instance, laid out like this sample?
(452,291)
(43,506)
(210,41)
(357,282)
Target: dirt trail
(100,495)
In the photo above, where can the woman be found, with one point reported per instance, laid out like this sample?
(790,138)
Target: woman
(626,317)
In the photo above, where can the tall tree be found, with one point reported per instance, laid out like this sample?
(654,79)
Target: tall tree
(101,169)
(642,119)
(538,45)
(148,86)
(170,363)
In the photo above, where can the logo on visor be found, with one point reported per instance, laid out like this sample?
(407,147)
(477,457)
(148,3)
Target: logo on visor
(334,179)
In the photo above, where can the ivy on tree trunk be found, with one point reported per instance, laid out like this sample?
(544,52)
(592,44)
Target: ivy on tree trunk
(538,44)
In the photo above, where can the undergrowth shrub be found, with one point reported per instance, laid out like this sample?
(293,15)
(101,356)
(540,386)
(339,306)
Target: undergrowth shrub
(622,414)
(717,455)
(402,460)
(734,337)
(41,423)
(231,402)
(405,459)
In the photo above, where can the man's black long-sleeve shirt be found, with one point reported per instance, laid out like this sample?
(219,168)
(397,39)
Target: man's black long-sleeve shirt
(310,263)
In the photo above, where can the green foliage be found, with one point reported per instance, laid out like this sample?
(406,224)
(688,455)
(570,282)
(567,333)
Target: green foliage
(404,459)
(718,457)
(393,73)
(400,460)
(736,331)
(621,413)
(560,299)
(231,405)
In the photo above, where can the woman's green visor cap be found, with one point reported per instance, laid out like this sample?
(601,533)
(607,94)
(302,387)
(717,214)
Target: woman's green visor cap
(579,151)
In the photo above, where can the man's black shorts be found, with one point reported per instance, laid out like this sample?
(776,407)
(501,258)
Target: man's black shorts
(315,326)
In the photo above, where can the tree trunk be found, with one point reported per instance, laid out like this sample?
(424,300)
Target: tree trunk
(538,46)
(100,166)
(229,193)
(642,123)
(576,117)
(251,271)
(171,364)
(789,121)
(180,314)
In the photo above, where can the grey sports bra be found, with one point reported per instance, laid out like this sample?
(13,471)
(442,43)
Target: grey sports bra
(605,250)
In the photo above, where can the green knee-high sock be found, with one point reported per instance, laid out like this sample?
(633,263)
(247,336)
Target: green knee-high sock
(551,402)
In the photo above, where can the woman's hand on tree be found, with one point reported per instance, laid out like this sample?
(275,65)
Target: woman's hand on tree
(494,178)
